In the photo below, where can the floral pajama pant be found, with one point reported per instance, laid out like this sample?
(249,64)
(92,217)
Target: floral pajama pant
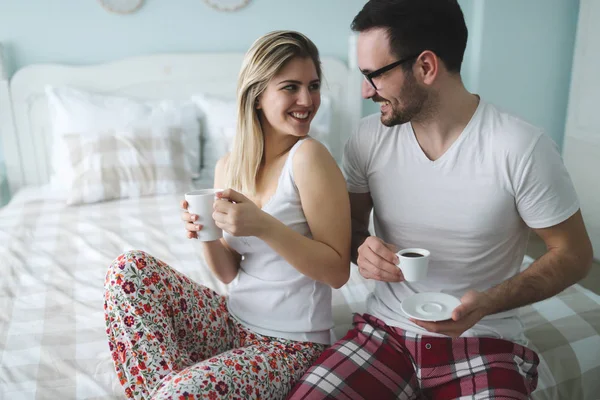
(172,338)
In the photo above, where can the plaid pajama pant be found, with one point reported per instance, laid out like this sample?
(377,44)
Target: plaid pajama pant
(376,361)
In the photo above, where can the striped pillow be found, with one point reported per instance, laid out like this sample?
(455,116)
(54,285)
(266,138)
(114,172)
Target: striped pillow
(126,163)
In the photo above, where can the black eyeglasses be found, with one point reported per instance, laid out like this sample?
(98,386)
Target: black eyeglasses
(369,76)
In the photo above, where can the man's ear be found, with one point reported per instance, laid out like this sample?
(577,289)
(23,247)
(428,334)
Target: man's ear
(427,67)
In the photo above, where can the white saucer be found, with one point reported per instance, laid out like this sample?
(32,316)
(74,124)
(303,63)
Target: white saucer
(430,306)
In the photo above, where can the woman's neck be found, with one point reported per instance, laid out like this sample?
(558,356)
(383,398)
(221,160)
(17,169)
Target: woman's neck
(276,145)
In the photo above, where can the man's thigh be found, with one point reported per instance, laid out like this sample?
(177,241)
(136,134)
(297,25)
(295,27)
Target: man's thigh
(477,368)
(495,383)
(367,363)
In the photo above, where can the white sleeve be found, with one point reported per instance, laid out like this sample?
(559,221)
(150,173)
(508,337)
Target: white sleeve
(354,166)
(544,194)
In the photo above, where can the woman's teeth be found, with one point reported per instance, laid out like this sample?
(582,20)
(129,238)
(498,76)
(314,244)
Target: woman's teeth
(298,115)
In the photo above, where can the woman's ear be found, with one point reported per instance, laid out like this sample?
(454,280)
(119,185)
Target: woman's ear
(257,104)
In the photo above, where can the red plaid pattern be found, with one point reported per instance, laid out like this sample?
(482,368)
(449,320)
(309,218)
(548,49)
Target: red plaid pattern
(376,361)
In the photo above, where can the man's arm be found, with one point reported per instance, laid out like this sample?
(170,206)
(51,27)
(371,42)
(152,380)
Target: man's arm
(375,258)
(361,205)
(568,260)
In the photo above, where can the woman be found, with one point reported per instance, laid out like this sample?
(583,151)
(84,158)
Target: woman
(286,223)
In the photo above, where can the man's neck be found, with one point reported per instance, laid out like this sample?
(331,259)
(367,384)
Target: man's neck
(445,119)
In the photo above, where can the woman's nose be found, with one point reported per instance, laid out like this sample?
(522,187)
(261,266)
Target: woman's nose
(304,98)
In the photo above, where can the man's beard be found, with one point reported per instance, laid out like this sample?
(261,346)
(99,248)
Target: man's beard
(413,106)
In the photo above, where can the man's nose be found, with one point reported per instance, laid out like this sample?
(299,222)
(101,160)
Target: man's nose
(367,90)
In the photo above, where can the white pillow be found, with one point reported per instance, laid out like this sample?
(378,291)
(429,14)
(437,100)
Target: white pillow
(74,111)
(219,125)
(125,163)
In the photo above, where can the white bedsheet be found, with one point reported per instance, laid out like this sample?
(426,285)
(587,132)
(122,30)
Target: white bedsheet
(53,260)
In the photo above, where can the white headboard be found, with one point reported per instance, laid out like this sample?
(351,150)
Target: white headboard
(24,121)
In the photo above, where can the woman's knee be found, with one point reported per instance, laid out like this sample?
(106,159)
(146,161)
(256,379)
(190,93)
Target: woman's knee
(198,381)
(133,264)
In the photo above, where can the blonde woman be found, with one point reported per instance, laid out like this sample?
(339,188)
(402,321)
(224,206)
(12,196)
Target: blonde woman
(286,223)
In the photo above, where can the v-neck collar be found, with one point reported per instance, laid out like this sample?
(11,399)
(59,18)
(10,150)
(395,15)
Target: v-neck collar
(452,149)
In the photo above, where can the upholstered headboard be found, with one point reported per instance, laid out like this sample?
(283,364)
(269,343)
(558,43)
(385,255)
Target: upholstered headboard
(24,120)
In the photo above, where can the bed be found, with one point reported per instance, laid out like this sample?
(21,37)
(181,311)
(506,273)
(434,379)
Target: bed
(54,255)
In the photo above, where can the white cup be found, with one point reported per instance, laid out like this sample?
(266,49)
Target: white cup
(414,263)
(200,203)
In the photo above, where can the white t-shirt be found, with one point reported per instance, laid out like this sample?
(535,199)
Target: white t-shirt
(472,207)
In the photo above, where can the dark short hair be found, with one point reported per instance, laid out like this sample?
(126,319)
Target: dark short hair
(414,26)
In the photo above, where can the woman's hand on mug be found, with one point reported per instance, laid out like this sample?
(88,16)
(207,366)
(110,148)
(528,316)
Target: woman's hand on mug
(238,215)
(188,219)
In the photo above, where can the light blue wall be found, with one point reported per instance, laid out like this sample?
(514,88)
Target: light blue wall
(82,32)
(518,57)
(76,31)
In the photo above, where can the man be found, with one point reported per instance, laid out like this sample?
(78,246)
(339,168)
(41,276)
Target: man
(445,171)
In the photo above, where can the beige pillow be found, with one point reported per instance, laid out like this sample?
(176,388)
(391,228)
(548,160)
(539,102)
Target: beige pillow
(127,163)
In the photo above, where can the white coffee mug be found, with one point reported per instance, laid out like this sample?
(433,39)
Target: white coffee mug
(414,263)
(200,203)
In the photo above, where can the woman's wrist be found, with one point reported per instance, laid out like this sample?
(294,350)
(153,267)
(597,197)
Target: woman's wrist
(267,226)
(212,244)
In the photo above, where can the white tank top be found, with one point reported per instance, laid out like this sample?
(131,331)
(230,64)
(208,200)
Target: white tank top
(270,296)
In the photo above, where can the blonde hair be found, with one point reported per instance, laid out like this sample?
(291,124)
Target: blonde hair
(265,58)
